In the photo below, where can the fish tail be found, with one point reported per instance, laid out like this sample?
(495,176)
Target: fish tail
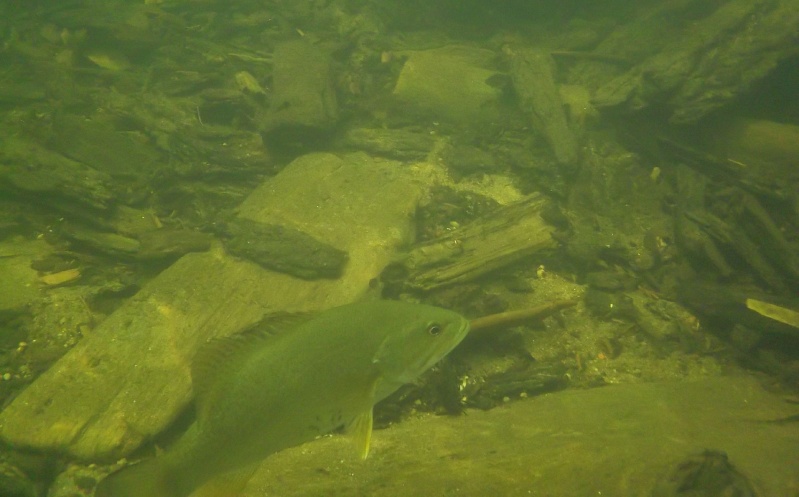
(146,479)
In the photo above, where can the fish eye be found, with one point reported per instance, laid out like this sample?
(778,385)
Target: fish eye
(434,329)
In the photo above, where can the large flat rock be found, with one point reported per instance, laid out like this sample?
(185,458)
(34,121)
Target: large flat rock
(129,378)
(357,203)
(616,440)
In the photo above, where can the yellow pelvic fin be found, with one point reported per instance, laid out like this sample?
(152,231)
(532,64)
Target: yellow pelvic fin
(361,431)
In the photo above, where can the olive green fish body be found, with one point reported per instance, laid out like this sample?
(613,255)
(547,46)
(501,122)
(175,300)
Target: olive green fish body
(278,392)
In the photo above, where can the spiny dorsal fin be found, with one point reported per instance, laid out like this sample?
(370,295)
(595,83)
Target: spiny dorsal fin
(218,354)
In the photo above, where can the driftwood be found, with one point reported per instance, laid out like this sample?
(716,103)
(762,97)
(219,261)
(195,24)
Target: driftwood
(707,65)
(745,228)
(732,237)
(515,318)
(772,311)
(504,237)
(765,180)
(30,170)
(743,307)
(532,73)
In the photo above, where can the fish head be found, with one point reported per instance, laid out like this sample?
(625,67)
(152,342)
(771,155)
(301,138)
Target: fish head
(420,337)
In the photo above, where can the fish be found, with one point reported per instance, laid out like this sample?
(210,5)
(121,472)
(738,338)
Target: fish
(257,394)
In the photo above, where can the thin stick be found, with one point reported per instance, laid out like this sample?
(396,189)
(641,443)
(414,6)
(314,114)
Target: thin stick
(514,318)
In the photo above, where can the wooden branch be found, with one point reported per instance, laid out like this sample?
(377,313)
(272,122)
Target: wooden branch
(515,318)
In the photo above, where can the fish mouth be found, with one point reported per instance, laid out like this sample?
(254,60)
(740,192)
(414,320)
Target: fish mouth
(463,330)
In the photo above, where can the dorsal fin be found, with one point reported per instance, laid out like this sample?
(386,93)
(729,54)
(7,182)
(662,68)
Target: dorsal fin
(215,356)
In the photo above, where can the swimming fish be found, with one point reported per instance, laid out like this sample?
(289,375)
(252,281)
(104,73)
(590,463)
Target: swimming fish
(257,395)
